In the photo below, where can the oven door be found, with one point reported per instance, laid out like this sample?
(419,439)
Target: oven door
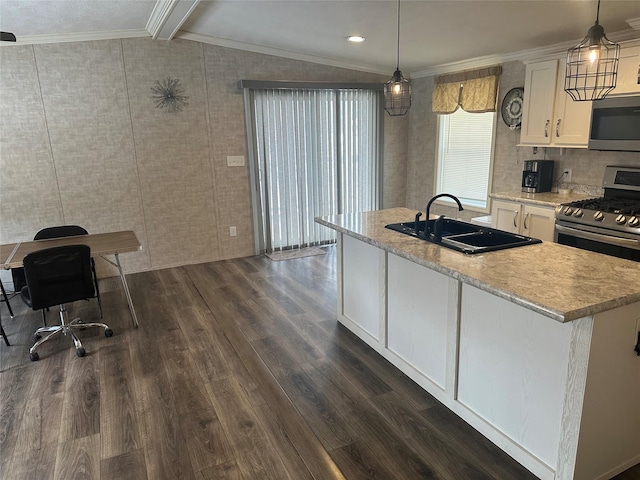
(617,244)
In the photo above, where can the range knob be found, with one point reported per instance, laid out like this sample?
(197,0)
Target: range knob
(621,219)
(598,216)
(634,221)
(567,211)
(578,213)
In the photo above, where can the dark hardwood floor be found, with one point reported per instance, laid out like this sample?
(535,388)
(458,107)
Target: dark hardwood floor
(239,370)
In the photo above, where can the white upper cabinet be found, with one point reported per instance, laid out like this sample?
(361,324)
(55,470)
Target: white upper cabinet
(539,95)
(628,71)
(571,119)
(550,117)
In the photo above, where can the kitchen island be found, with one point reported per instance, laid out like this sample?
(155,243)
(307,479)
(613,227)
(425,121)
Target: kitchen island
(533,346)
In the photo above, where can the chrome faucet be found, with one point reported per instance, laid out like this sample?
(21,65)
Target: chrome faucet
(437,225)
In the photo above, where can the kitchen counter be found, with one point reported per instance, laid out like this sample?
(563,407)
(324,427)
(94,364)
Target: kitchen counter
(534,346)
(545,199)
(560,282)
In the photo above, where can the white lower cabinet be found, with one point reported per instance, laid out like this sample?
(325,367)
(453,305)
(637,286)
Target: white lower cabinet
(417,325)
(530,220)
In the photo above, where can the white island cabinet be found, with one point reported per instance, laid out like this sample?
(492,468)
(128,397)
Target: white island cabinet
(542,364)
(417,326)
(362,273)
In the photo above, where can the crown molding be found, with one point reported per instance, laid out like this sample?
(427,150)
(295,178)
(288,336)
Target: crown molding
(251,47)
(168,16)
(75,37)
(630,37)
(557,50)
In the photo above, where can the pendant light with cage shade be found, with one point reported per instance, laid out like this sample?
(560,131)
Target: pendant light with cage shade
(397,91)
(592,65)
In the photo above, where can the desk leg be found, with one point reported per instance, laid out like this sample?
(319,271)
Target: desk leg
(6,299)
(126,291)
(4,335)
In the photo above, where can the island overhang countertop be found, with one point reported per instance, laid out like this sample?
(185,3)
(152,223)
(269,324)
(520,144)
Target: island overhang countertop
(560,282)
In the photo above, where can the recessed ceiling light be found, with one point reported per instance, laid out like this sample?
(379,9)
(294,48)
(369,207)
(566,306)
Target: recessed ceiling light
(355,38)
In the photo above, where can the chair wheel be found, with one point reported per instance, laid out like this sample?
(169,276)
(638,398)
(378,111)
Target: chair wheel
(108,332)
(80,352)
(34,356)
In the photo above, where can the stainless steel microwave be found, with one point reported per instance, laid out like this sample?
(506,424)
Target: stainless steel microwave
(615,124)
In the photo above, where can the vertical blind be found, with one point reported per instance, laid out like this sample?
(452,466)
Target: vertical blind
(314,153)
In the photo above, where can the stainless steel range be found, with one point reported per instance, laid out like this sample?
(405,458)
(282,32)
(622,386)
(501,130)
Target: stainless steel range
(609,224)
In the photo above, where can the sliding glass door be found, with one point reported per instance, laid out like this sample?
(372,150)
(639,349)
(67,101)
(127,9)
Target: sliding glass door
(313,152)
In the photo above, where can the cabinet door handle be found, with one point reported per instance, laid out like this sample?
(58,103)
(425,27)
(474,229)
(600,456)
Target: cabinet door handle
(525,221)
(557,127)
(515,216)
(546,129)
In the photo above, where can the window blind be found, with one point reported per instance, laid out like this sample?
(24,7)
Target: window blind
(464,156)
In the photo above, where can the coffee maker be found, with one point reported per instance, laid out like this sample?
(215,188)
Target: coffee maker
(537,176)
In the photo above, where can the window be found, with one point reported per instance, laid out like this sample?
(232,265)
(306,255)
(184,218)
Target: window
(465,142)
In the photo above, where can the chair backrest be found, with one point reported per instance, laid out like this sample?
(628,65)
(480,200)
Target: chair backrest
(59,275)
(61,231)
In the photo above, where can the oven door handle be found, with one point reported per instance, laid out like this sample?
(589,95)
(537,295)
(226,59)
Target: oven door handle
(598,237)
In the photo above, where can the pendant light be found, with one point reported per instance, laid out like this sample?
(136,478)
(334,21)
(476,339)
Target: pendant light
(592,65)
(397,91)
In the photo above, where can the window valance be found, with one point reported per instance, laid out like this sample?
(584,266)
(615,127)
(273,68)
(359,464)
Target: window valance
(474,90)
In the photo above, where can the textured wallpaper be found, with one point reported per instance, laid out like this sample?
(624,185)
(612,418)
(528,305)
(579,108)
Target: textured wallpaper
(84,141)
(88,138)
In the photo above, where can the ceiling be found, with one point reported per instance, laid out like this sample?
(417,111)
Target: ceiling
(435,35)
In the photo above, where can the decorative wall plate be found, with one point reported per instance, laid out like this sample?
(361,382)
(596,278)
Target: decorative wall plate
(169,95)
(512,108)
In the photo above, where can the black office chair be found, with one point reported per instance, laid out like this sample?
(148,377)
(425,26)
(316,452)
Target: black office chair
(65,231)
(56,276)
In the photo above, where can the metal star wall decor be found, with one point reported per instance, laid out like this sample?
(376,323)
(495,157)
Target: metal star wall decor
(169,95)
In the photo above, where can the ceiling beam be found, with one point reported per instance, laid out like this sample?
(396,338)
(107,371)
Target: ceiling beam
(168,16)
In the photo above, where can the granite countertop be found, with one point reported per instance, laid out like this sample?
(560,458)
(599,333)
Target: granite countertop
(561,282)
(545,199)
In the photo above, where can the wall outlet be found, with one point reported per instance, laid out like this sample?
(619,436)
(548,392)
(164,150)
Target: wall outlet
(567,176)
(233,232)
(235,161)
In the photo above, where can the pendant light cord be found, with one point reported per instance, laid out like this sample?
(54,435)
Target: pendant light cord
(398,50)
(598,13)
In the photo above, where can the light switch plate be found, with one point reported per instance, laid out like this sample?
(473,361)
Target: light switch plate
(235,161)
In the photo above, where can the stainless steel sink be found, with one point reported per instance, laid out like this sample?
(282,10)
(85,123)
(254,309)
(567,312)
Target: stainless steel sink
(465,237)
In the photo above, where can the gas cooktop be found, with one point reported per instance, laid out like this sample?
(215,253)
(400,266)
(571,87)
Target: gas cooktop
(619,209)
